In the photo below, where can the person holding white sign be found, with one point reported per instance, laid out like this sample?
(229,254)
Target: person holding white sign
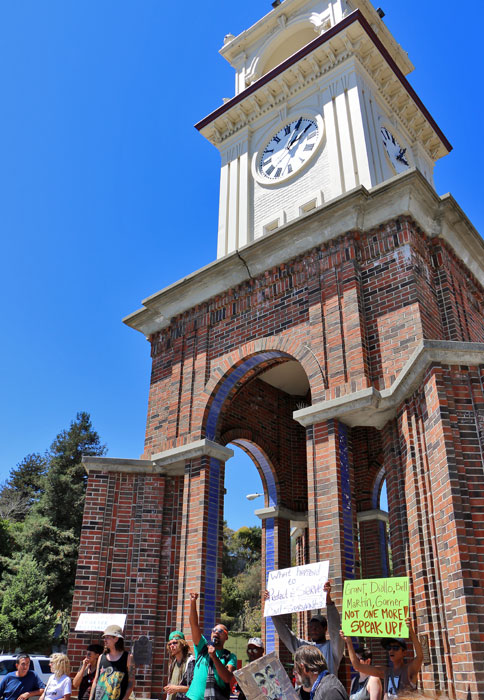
(332,648)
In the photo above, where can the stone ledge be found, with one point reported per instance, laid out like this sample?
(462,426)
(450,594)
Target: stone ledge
(408,194)
(373,408)
(297,519)
(192,450)
(365,516)
(167,463)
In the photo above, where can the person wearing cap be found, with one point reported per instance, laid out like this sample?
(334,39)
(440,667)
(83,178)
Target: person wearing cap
(363,686)
(180,672)
(22,683)
(84,678)
(332,648)
(255,649)
(115,673)
(213,673)
(400,676)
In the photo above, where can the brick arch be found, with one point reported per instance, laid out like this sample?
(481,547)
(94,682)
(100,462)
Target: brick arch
(239,366)
(254,445)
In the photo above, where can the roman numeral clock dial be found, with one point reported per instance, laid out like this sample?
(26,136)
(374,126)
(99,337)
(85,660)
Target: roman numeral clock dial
(289,149)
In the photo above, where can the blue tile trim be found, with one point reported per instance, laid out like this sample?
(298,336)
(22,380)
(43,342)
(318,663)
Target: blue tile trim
(211,560)
(228,384)
(270,565)
(348,539)
(262,461)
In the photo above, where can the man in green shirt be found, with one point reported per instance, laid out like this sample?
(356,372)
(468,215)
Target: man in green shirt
(213,674)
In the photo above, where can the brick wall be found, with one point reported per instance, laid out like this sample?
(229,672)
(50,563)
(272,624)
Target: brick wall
(351,312)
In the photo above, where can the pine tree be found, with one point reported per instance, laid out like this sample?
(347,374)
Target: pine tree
(28,476)
(26,616)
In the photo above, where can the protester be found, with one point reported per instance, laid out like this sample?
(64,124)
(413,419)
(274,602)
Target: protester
(398,677)
(213,673)
(363,686)
(84,677)
(115,673)
(59,685)
(332,648)
(255,650)
(180,672)
(22,683)
(311,672)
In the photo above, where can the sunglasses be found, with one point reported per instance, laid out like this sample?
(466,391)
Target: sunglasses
(394,647)
(173,644)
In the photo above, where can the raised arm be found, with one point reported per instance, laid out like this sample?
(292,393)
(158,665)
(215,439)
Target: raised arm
(287,635)
(193,619)
(377,671)
(416,663)
(334,626)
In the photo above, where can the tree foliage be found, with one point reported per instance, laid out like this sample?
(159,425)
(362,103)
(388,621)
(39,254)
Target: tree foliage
(27,479)
(26,617)
(241,579)
(44,503)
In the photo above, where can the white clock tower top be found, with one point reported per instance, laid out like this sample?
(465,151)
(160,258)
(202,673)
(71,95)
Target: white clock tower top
(321,106)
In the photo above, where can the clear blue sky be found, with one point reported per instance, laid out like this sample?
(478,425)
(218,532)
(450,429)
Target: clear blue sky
(108,193)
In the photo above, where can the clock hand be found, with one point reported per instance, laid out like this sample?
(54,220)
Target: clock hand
(298,138)
(401,156)
(294,134)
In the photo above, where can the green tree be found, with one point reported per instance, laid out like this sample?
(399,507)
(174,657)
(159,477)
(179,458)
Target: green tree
(26,616)
(27,479)
(241,579)
(65,483)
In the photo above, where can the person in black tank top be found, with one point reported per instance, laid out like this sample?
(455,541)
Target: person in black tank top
(363,686)
(115,673)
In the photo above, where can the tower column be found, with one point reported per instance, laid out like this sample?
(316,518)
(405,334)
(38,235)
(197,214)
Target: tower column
(276,554)
(330,504)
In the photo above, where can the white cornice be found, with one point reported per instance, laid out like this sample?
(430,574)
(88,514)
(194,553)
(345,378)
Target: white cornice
(270,24)
(366,516)
(344,41)
(406,194)
(373,408)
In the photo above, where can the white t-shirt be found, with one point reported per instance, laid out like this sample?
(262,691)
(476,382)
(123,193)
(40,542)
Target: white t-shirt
(56,688)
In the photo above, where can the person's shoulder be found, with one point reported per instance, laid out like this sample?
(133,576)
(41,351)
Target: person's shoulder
(329,683)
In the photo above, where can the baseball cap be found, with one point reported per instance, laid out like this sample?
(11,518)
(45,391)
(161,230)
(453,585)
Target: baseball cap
(256,642)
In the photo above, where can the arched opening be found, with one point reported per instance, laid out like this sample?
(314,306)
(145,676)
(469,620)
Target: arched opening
(252,411)
(285,46)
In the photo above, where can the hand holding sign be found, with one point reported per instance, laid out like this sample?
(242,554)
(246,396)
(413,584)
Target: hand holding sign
(296,589)
(376,607)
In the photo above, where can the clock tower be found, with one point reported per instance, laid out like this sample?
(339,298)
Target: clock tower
(337,339)
(321,106)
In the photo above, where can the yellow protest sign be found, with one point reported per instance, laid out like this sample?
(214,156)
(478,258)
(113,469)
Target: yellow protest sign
(376,607)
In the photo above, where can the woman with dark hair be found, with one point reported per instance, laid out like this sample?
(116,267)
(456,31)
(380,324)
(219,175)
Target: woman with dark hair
(180,672)
(363,686)
(115,674)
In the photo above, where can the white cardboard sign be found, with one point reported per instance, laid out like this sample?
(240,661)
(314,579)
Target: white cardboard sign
(97,622)
(296,589)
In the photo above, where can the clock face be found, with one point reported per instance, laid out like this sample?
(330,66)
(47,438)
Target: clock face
(289,149)
(395,153)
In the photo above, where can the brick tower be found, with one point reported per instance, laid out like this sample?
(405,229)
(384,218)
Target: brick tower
(338,339)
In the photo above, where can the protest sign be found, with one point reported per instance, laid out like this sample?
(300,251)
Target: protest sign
(375,607)
(296,589)
(97,622)
(266,679)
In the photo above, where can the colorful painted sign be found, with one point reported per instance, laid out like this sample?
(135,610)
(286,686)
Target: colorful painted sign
(266,679)
(376,607)
(296,589)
